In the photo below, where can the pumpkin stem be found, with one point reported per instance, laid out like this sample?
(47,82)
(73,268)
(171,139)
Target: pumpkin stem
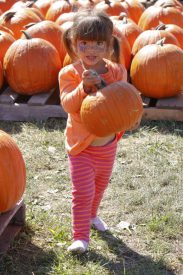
(161,26)
(8,15)
(122,16)
(161,42)
(167,5)
(29,4)
(107,2)
(29,25)
(27,35)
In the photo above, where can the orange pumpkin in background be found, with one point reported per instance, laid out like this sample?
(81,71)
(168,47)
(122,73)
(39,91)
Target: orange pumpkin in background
(16,20)
(128,28)
(43,5)
(173,29)
(173,3)
(6,4)
(1,75)
(65,17)
(6,40)
(29,4)
(157,70)
(31,66)
(151,37)
(12,173)
(151,17)
(57,8)
(114,108)
(49,31)
(111,7)
(134,9)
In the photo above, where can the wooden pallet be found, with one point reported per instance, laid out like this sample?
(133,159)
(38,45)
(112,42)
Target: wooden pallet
(16,107)
(163,109)
(11,223)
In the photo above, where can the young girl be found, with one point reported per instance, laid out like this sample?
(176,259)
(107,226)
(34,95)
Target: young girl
(91,158)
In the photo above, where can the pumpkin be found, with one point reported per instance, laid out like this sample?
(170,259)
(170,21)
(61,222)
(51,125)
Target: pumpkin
(6,4)
(151,17)
(151,37)
(31,66)
(157,70)
(1,75)
(49,31)
(30,5)
(57,8)
(125,49)
(15,20)
(111,7)
(43,5)
(172,3)
(128,28)
(134,9)
(173,29)
(6,40)
(4,29)
(12,172)
(114,108)
(65,17)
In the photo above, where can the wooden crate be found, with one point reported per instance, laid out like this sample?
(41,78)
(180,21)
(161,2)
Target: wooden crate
(163,109)
(11,222)
(16,107)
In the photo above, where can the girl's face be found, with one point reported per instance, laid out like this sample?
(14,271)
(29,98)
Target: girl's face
(91,52)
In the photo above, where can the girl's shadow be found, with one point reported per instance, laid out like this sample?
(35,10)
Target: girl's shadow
(126,261)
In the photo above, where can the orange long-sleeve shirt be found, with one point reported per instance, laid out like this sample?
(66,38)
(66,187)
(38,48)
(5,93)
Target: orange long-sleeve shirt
(72,95)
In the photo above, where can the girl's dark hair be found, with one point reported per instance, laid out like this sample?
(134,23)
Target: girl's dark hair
(91,25)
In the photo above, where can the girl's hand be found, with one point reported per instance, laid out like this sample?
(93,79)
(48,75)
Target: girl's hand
(90,81)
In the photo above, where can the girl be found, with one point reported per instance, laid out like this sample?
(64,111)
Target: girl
(91,158)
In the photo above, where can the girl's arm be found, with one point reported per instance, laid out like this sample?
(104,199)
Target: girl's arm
(71,90)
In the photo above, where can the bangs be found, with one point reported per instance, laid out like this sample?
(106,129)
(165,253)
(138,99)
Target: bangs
(93,29)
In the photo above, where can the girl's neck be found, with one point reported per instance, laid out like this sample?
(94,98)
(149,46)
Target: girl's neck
(100,67)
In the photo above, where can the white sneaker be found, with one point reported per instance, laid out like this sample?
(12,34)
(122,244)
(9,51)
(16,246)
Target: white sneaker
(99,224)
(78,246)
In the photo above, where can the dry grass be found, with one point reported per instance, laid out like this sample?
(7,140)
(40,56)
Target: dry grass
(146,190)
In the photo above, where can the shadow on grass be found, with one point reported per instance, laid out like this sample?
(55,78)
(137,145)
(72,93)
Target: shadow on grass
(26,258)
(126,261)
(52,124)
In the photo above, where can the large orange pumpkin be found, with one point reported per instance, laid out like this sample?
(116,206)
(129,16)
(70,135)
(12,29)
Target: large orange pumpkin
(157,70)
(12,172)
(31,66)
(114,108)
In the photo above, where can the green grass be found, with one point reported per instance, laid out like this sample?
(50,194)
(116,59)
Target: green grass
(146,189)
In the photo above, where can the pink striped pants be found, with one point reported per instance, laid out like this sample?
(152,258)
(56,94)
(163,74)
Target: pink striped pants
(90,172)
